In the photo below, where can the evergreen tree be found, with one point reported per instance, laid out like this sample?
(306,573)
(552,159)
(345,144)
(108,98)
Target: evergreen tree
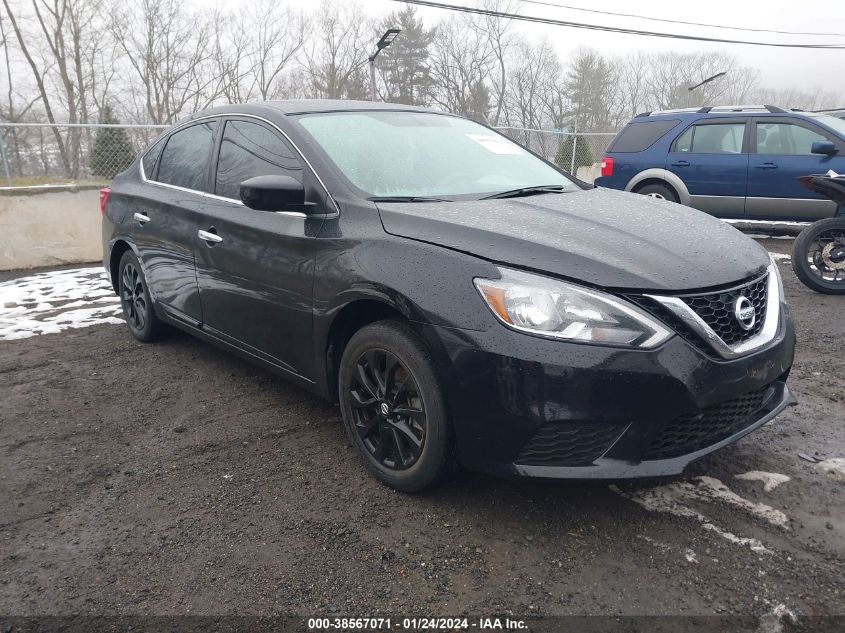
(583,153)
(112,151)
(404,65)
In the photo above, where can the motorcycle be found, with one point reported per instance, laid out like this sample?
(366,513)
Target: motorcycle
(818,256)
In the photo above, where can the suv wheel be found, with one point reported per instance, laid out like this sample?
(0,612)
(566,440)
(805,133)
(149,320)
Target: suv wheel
(661,192)
(394,409)
(135,300)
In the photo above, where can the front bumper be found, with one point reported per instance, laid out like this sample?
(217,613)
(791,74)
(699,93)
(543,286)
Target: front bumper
(543,408)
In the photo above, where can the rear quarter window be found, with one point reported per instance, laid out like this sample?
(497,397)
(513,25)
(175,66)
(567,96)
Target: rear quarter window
(640,135)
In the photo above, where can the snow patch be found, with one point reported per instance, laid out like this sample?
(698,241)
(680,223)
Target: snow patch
(50,302)
(690,556)
(780,257)
(834,468)
(675,499)
(770,480)
(773,621)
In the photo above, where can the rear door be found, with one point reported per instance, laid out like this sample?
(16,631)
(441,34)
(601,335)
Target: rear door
(163,221)
(256,274)
(780,155)
(711,158)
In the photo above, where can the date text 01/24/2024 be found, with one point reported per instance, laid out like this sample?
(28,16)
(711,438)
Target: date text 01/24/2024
(415,624)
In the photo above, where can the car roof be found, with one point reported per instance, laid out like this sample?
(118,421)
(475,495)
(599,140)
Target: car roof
(305,106)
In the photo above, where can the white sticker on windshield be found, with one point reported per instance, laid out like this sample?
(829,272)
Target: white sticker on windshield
(495,144)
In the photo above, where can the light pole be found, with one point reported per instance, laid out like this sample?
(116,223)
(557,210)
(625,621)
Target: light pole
(706,81)
(385,41)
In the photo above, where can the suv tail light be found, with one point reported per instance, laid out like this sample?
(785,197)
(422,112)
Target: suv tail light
(607,166)
(105,192)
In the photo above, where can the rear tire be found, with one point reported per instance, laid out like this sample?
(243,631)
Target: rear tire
(394,407)
(661,192)
(806,248)
(135,300)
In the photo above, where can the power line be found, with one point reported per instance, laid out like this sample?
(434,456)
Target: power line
(653,19)
(610,29)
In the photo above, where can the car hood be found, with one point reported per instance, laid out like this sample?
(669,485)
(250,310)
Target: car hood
(602,237)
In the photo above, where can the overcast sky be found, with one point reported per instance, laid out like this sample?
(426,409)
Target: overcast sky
(780,67)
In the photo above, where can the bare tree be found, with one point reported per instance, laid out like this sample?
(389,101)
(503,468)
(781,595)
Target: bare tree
(336,60)
(169,51)
(502,40)
(461,62)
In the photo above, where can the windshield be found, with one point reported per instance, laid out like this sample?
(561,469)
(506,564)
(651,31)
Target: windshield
(834,123)
(418,154)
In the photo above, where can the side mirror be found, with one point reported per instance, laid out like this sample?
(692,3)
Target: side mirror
(824,147)
(272,193)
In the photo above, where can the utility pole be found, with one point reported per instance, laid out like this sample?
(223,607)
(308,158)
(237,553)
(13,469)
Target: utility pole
(385,41)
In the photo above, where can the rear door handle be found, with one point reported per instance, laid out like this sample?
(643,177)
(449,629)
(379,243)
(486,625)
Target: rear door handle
(141,218)
(680,163)
(209,238)
(766,166)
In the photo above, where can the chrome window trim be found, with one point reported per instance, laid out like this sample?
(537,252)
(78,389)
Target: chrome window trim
(767,334)
(206,194)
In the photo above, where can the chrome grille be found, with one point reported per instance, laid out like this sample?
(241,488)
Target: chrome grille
(716,309)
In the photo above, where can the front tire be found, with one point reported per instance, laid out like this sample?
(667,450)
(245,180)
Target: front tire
(394,407)
(135,300)
(818,256)
(661,192)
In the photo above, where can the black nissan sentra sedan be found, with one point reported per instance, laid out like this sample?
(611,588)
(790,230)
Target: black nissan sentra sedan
(464,300)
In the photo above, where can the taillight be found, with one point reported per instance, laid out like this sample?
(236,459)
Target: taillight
(607,166)
(105,192)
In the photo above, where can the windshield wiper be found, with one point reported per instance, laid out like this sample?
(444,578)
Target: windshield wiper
(407,199)
(527,191)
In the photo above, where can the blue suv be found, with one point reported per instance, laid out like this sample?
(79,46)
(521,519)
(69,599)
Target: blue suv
(730,161)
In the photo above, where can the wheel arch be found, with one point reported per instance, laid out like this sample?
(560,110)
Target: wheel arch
(118,248)
(351,317)
(662,177)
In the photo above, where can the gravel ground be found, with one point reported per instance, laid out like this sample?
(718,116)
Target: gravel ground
(176,479)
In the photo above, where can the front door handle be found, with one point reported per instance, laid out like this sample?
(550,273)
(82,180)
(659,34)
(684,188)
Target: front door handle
(209,238)
(681,163)
(766,166)
(141,218)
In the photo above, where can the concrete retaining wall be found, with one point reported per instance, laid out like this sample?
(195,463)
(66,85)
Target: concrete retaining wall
(42,226)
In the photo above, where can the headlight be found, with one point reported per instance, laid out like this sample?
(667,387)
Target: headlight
(547,307)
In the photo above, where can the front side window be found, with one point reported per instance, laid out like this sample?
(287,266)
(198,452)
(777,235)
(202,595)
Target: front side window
(717,138)
(786,139)
(184,161)
(420,154)
(248,150)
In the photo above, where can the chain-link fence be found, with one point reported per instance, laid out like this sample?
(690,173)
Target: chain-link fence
(577,153)
(33,154)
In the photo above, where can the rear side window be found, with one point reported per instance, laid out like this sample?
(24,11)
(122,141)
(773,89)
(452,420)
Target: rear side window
(640,135)
(184,161)
(786,139)
(248,150)
(150,159)
(718,138)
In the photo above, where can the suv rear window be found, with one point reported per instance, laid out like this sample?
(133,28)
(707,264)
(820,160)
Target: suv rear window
(640,135)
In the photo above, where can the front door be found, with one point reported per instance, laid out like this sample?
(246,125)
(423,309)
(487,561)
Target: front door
(255,269)
(780,155)
(711,159)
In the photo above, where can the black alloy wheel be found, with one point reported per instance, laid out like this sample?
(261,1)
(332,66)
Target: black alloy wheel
(135,300)
(394,407)
(387,409)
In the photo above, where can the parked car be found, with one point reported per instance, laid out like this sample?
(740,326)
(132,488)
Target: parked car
(463,299)
(730,161)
